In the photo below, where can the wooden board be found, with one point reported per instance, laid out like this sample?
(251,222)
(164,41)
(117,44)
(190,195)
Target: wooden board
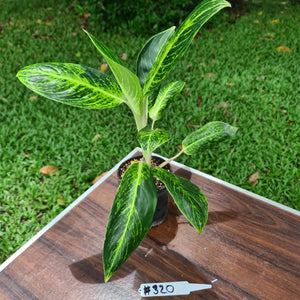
(248,245)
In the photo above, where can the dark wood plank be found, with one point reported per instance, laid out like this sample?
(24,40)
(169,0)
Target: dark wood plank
(251,247)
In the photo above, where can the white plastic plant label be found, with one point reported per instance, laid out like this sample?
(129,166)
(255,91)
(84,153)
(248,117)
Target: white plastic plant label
(176,288)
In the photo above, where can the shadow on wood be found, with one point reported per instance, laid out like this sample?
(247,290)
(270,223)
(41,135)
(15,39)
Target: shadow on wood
(149,263)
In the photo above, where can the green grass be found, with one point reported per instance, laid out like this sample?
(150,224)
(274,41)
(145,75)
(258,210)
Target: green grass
(233,65)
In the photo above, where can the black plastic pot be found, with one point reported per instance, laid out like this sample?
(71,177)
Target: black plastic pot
(162,193)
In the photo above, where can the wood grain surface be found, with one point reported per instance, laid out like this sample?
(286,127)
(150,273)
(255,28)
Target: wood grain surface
(249,246)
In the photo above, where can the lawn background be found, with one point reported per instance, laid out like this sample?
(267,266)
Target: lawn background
(234,72)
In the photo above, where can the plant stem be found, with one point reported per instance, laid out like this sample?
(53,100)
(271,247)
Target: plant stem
(170,159)
(148,159)
(145,111)
(139,122)
(153,122)
(140,116)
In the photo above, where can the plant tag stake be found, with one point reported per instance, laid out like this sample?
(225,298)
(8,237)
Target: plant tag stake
(170,288)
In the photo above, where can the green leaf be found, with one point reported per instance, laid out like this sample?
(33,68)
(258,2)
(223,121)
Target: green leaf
(187,196)
(165,93)
(72,84)
(130,217)
(150,51)
(152,139)
(206,136)
(127,80)
(180,41)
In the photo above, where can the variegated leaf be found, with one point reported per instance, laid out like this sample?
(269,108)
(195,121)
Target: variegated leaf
(130,217)
(106,52)
(72,84)
(188,197)
(152,139)
(165,93)
(127,80)
(206,136)
(180,41)
(150,51)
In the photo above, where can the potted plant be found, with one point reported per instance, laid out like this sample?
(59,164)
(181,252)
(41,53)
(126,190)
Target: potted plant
(136,199)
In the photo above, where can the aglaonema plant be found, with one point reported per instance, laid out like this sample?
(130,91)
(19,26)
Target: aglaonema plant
(146,96)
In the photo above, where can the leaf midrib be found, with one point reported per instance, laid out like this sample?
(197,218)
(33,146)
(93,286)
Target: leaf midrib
(168,47)
(71,79)
(198,140)
(132,210)
(156,111)
(187,195)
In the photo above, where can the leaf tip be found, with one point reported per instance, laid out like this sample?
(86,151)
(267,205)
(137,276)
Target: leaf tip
(199,231)
(106,278)
(107,273)
(234,130)
(88,34)
(227,4)
(19,73)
